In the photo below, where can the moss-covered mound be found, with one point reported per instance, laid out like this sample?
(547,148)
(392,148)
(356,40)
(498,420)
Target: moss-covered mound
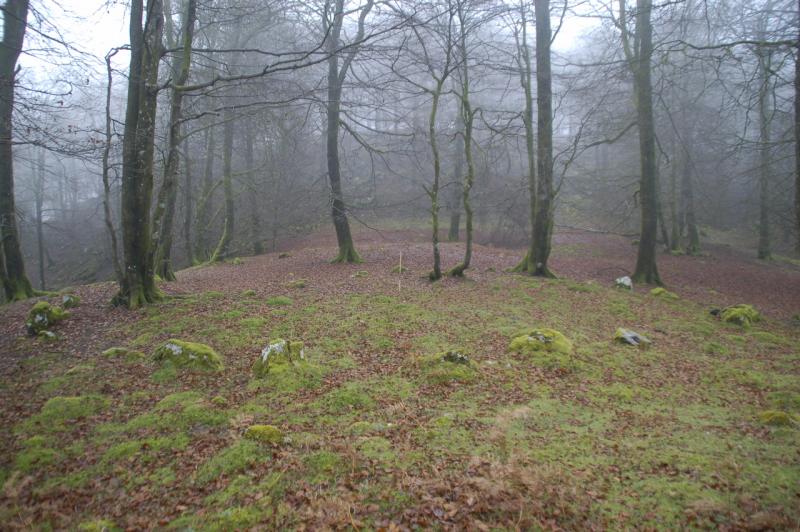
(279,352)
(70,301)
(189,354)
(42,316)
(537,340)
(264,434)
(663,293)
(629,337)
(129,355)
(777,418)
(741,314)
(297,283)
(448,366)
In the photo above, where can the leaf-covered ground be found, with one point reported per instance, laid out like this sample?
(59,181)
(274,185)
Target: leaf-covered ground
(378,437)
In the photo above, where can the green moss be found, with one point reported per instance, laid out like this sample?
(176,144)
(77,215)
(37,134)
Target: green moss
(784,400)
(98,525)
(323,466)
(264,434)
(219,401)
(290,378)
(538,340)
(165,375)
(448,366)
(237,457)
(277,354)
(249,293)
(42,316)
(35,457)
(70,301)
(57,411)
(740,314)
(664,293)
(279,301)
(130,355)
(348,397)
(377,449)
(47,336)
(715,348)
(360,428)
(297,284)
(777,418)
(189,354)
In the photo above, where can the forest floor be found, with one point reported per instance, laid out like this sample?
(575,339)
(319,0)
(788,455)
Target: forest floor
(379,435)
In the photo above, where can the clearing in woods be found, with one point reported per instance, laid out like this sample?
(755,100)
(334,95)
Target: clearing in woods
(379,432)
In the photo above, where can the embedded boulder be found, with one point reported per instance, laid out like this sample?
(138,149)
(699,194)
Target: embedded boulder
(264,434)
(537,340)
(623,282)
(189,354)
(42,316)
(741,314)
(278,352)
(629,337)
(70,301)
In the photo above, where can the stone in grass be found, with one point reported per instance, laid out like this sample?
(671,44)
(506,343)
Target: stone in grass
(42,316)
(623,282)
(278,352)
(537,340)
(47,336)
(189,354)
(663,293)
(629,337)
(777,418)
(741,314)
(70,301)
(264,434)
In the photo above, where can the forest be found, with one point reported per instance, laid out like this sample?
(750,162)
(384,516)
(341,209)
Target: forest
(400,264)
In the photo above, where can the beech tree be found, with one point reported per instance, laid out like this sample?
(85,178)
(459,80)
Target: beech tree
(12,266)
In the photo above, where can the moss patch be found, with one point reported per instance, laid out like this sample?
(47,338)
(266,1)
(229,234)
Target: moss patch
(58,411)
(264,434)
(663,293)
(193,355)
(740,314)
(42,316)
(237,457)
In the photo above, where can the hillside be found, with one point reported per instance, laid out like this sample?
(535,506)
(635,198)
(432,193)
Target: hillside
(380,430)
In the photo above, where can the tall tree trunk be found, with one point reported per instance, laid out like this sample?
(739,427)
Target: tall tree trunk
(764,244)
(797,140)
(255,219)
(38,207)
(526,80)
(455,194)
(687,191)
(646,270)
(107,213)
(433,192)
(674,216)
(223,249)
(138,284)
(543,222)
(202,244)
(164,215)
(15,283)
(188,206)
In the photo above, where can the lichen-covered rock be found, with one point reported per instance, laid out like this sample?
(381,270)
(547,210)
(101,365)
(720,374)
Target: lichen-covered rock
(189,354)
(777,418)
(663,293)
(264,434)
(537,340)
(623,282)
(627,336)
(455,357)
(42,316)
(70,301)
(741,314)
(47,336)
(278,352)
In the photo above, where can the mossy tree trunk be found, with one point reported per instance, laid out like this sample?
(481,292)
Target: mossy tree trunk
(164,215)
(333,21)
(433,192)
(38,196)
(674,208)
(639,55)
(764,240)
(188,207)
(797,142)
(252,173)
(138,282)
(543,221)
(107,213)
(454,204)
(16,285)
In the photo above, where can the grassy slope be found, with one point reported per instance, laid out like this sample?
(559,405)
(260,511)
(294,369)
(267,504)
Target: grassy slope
(612,436)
